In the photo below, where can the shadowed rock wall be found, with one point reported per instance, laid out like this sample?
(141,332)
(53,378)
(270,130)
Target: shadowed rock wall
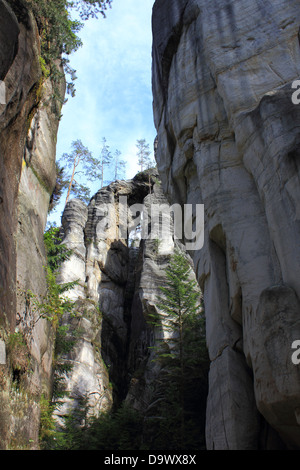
(29,120)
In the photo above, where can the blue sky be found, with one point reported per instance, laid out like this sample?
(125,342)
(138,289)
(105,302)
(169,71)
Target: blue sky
(113,90)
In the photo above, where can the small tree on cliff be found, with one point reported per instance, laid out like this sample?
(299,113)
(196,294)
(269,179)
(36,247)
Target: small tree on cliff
(105,159)
(81,162)
(60,185)
(182,356)
(143,154)
(119,166)
(84,168)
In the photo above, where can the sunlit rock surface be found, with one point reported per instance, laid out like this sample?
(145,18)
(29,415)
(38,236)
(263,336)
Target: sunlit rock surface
(228,138)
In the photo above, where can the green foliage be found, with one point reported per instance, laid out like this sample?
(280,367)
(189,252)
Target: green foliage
(143,154)
(59,32)
(119,166)
(18,352)
(105,160)
(175,420)
(56,252)
(60,185)
(91,8)
(47,423)
(52,307)
(82,167)
(181,297)
(120,430)
(44,68)
(54,303)
(63,341)
(79,162)
(73,434)
(177,416)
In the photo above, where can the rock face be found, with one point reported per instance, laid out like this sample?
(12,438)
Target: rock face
(20,79)
(88,377)
(28,126)
(228,138)
(119,274)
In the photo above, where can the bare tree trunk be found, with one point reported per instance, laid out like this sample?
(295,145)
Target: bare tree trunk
(71,181)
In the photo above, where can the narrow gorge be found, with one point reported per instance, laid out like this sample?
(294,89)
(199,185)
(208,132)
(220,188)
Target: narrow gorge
(223,75)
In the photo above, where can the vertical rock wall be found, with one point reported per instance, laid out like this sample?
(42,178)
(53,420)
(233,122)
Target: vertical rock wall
(28,127)
(20,72)
(228,138)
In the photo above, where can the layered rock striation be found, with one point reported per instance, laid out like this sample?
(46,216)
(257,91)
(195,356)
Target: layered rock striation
(228,138)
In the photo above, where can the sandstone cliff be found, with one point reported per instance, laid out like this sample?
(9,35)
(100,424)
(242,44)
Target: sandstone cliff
(28,127)
(119,279)
(228,138)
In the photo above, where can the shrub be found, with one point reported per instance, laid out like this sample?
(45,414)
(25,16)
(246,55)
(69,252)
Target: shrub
(19,356)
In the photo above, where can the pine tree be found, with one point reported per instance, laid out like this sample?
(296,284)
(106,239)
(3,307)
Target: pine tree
(105,159)
(119,166)
(182,356)
(82,163)
(79,155)
(143,154)
(56,252)
(60,185)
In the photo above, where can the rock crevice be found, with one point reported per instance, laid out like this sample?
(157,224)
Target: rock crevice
(121,276)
